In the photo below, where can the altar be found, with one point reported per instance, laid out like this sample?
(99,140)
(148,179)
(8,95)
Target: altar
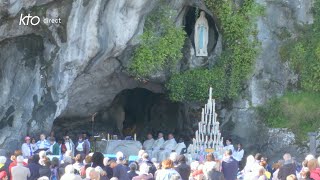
(127,147)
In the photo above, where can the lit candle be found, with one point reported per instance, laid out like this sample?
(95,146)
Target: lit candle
(210,93)
(135,136)
(202,115)
(108,137)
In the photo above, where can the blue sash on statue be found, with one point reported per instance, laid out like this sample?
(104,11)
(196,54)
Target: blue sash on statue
(201,33)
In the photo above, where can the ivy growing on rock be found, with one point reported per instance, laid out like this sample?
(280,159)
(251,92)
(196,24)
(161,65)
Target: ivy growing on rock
(303,53)
(161,44)
(240,49)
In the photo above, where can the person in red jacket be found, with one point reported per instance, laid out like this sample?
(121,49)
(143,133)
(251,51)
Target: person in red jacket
(14,161)
(3,175)
(314,169)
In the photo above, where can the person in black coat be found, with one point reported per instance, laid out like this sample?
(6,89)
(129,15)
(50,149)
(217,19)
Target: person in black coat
(119,170)
(214,173)
(183,169)
(34,166)
(288,167)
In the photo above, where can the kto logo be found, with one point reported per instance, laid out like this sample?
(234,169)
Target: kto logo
(33,20)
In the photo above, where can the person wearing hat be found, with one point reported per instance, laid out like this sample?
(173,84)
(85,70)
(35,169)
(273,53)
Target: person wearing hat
(26,148)
(3,175)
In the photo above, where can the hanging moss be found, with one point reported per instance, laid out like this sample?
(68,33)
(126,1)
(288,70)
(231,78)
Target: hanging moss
(160,46)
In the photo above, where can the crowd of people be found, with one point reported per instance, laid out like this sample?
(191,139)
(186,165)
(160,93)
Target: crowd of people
(64,160)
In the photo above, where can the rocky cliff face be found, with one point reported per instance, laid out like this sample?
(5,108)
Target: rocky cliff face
(271,77)
(73,69)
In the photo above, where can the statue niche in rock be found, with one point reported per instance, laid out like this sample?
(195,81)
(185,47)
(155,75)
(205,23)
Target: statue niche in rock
(201,35)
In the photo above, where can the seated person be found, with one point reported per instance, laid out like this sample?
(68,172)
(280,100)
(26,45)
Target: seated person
(43,144)
(148,144)
(167,147)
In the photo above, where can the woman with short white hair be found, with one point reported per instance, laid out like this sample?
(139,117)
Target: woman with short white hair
(143,172)
(69,174)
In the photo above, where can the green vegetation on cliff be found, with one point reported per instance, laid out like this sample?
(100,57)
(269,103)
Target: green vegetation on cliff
(297,111)
(303,53)
(240,48)
(160,46)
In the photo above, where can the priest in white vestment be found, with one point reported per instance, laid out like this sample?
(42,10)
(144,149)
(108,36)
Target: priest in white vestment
(157,145)
(148,144)
(181,145)
(167,147)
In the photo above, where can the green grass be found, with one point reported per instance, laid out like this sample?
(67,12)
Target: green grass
(299,112)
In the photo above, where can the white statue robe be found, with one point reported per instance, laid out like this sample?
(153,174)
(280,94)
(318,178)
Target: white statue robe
(167,147)
(179,147)
(201,35)
(147,145)
(155,147)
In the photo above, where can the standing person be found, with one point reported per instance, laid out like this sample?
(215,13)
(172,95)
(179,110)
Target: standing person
(247,171)
(314,169)
(167,171)
(43,144)
(229,145)
(209,163)
(3,161)
(78,163)
(119,170)
(86,139)
(69,174)
(148,144)
(34,166)
(156,145)
(52,135)
(214,173)
(14,161)
(26,148)
(54,168)
(83,147)
(257,158)
(229,166)
(145,160)
(3,175)
(166,148)
(183,168)
(288,167)
(19,172)
(69,145)
(144,173)
(238,154)
(54,147)
(133,170)
(62,147)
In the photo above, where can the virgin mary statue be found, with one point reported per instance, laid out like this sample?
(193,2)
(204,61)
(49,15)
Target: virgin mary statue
(201,35)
